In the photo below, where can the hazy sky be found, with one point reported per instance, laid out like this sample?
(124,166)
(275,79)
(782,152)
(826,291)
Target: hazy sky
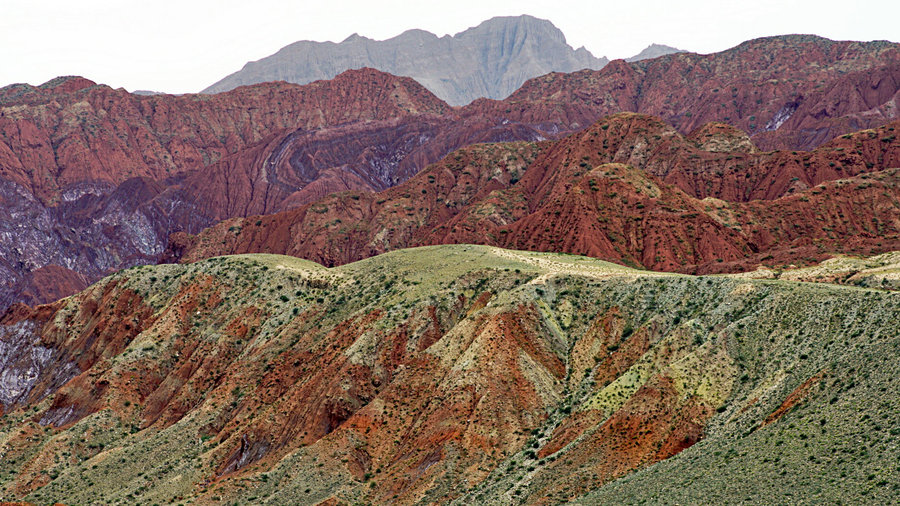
(180,46)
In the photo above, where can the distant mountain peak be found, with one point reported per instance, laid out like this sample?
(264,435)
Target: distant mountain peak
(542,27)
(654,51)
(353,38)
(521,20)
(489,60)
(147,93)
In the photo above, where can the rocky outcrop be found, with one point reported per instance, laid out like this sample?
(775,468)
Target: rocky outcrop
(21,362)
(490,60)
(28,362)
(52,252)
(721,138)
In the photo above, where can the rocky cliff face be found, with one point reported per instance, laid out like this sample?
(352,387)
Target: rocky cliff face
(629,189)
(51,252)
(861,100)
(452,373)
(490,60)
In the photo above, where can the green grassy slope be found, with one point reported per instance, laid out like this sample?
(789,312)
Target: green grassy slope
(459,373)
(838,446)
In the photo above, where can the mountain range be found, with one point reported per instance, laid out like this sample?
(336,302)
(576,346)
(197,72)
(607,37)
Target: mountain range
(654,51)
(96,179)
(490,60)
(352,291)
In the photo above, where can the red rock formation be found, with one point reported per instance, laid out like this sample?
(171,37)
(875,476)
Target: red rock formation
(794,398)
(421,376)
(757,86)
(860,100)
(721,138)
(71,153)
(70,130)
(273,147)
(580,195)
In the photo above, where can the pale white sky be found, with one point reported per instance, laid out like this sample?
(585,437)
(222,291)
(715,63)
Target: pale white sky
(180,46)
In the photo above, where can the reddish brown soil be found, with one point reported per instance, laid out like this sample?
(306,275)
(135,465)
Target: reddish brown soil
(50,282)
(403,403)
(653,425)
(311,392)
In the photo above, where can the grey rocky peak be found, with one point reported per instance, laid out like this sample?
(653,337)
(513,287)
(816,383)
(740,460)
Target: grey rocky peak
(490,60)
(654,51)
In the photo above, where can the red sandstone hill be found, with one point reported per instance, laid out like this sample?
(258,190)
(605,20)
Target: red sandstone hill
(94,179)
(604,193)
(72,153)
(71,130)
(793,92)
(288,170)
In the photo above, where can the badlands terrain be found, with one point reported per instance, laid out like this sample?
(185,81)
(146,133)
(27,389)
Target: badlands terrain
(537,278)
